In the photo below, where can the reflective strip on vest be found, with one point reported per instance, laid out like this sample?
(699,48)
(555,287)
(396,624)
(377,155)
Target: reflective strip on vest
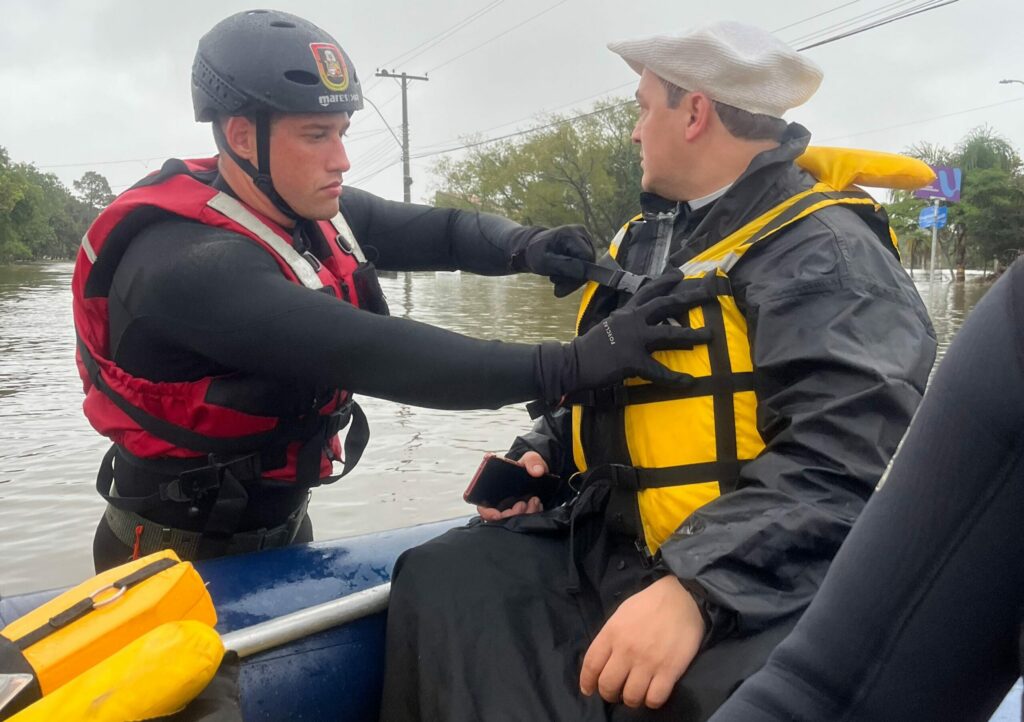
(241,215)
(727,252)
(87,247)
(686,447)
(345,231)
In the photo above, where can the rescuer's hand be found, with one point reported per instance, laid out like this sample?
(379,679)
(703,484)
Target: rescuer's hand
(535,466)
(620,346)
(644,648)
(557,253)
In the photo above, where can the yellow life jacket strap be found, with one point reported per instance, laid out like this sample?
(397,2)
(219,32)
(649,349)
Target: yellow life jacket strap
(727,252)
(611,397)
(608,273)
(93,601)
(613,251)
(636,478)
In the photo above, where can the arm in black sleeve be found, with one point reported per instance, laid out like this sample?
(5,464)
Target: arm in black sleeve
(222,297)
(411,237)
(841,361)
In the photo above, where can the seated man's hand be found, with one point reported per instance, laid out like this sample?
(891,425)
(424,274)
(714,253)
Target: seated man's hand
(644,648)
(536,466)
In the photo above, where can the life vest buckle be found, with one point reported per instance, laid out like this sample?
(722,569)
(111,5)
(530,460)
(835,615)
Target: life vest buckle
(97,603)
(193,485)
(623,477)
(605,398)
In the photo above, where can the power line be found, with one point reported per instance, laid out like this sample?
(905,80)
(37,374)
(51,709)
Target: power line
(144,161)
(405,57)
(553,124)
(476,14)
(374,173)
(477,47)
(814,17)
(845,23)
(631,83)
(921,120)
(501,34)
(375,153)
(884,21)
(393,135)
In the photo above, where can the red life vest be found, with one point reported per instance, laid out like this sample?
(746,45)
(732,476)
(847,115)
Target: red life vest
(174,419)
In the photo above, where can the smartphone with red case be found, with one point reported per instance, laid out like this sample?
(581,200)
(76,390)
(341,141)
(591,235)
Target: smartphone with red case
(499,483)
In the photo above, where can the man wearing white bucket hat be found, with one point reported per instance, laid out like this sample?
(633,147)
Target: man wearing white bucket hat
(701,520)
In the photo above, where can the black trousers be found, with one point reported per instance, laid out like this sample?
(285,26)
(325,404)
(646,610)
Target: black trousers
(491,622)
(919,615)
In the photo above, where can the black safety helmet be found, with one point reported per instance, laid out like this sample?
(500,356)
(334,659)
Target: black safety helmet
(260,62)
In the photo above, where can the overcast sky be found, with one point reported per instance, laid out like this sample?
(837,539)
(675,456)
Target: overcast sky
(104,84)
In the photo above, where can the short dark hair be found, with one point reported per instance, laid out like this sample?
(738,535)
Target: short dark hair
(741,124)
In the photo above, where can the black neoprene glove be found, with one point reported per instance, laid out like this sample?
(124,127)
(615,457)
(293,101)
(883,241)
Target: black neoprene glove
(557,253)
(620,346)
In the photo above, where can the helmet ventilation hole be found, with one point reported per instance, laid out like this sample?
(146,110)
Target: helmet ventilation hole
(281,24)
(302,77)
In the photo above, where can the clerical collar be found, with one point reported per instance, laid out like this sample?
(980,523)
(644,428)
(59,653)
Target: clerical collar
(698,203)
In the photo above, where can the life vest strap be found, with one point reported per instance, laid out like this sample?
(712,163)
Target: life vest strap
(188,480)
(607,272)
(635,478)
(727,252)
(187,485)
(612,397)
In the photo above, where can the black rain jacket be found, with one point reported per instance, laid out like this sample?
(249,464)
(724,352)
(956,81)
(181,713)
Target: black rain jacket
(842,347)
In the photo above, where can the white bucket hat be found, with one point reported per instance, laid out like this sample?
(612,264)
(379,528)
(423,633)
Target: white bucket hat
(735,64)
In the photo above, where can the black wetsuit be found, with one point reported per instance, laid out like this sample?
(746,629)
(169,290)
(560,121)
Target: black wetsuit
(190,301)
(919,616)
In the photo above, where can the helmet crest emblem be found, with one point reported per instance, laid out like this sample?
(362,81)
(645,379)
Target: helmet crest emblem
(331,64)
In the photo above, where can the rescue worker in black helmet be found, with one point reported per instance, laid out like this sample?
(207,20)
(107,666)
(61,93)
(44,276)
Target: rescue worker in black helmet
(227,308)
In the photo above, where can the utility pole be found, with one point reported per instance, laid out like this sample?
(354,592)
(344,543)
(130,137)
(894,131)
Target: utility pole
(405,78)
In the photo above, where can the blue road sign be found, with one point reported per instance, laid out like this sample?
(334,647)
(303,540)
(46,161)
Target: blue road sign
(933,216)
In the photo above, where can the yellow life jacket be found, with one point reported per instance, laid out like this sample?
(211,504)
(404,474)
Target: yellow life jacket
(153,676)
(675,451)
(85,625)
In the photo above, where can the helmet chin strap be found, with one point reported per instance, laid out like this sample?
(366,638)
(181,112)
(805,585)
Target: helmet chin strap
(260,176)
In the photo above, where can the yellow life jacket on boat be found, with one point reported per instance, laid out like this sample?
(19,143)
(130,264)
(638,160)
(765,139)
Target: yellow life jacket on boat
(151,677)
(79,629)
(678,450)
